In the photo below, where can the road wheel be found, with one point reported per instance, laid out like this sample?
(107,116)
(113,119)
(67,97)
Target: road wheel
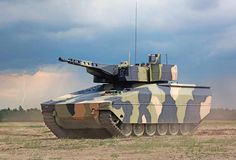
(173,129)
(138,129)
(126,129)
(162,129)
(150,129)
(185,129)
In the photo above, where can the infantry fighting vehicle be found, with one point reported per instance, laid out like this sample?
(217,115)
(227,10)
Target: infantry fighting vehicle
(132,100)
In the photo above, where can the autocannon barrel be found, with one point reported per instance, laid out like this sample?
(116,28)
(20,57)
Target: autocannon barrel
(101,72)
(78,62)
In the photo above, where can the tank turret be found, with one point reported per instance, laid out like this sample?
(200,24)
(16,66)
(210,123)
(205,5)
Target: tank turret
(153,71)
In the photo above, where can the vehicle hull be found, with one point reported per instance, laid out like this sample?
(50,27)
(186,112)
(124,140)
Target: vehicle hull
(141,104)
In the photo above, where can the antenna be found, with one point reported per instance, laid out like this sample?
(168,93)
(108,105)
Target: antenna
(135,33)
(166,58)
(129,58)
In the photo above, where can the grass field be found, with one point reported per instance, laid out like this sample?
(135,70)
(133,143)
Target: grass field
(213,140)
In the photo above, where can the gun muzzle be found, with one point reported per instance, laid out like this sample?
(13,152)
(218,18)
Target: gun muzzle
(62,60)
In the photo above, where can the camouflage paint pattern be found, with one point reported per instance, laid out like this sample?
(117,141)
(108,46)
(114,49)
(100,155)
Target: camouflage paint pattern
(163,72)
(144,103)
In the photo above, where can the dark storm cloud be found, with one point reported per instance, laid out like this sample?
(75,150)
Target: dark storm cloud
(198,35)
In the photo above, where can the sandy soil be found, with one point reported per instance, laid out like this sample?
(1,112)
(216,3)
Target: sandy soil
(213,140)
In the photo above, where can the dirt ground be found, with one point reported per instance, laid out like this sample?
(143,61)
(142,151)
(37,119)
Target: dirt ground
(213,140)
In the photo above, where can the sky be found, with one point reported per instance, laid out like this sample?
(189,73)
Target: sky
(198,36)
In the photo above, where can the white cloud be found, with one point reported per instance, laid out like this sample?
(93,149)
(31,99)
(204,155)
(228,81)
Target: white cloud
(203,4)
(48,82)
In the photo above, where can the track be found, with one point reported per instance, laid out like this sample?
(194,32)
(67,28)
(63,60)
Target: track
(107,122)
(50,122)
(60,132)
(108,129)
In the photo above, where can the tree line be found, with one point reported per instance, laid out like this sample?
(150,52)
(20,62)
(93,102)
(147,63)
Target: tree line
(20,115)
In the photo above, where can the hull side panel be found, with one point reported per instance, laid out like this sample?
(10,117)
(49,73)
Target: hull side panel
(162,104)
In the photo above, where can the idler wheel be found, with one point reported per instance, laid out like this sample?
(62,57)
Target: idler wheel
(173,129)
(185,129)
(126,129)
(162,129)
(150,129)
(138,129)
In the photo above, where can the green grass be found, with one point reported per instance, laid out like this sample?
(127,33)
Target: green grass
(114,156)
(33,139)
(33,145)
(36,126)
(187,143)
